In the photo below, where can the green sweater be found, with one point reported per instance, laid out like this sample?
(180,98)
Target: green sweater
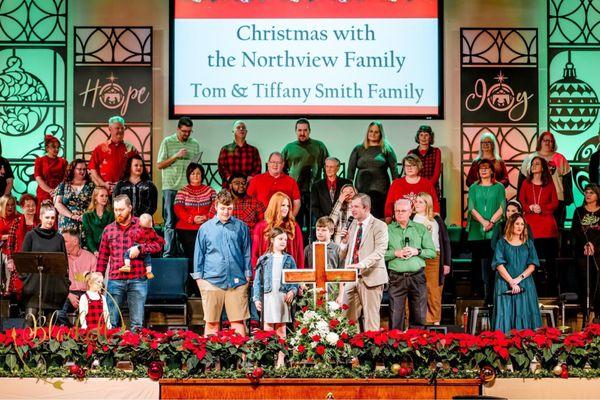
(305,161)
(93,226)
(418,237)
(486,200)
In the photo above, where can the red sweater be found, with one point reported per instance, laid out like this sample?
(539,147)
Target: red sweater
(402,189)
(542,225)
(260,244)
(191,201)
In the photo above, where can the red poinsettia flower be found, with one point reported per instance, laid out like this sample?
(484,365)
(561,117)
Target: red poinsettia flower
(333,323)
(340,344)
(316,338)
(304,331)
(320,350)
(301,348)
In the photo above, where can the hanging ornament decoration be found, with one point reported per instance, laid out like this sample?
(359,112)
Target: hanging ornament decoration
(565,371)
(22,98)
(573,104)
(77,372)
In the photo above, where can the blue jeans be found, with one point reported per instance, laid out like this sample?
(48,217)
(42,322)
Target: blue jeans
(135,291)
(171,248)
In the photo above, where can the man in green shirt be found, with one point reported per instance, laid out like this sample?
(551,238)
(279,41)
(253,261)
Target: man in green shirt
(304,161)
(176,152)
(409,244)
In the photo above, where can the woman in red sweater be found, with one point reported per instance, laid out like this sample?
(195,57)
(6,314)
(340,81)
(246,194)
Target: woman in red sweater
(8,213)
(49,170)
(409,186)
(539,200)
(278,215)
(192,204)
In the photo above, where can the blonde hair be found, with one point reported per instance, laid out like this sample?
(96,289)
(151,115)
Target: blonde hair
(385,147)
(426,197)
(510,224)
(94,281)
(275,220)
(47,206)
(94,200)
(145,219)
(3,202)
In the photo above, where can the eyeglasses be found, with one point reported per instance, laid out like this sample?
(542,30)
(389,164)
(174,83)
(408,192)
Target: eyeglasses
(275,162)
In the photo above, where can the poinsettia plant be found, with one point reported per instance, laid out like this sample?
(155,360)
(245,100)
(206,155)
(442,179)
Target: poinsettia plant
(322,333)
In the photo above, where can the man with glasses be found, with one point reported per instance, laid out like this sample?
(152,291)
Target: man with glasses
(265,185)
(109,159)
(409,245)
(238,157)
(175,153)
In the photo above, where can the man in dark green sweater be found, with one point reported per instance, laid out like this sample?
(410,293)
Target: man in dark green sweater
(304,161)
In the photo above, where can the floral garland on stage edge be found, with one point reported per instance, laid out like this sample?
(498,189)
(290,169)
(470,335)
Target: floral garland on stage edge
(59,352)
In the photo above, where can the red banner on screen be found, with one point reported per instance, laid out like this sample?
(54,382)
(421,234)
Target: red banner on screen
(306,9)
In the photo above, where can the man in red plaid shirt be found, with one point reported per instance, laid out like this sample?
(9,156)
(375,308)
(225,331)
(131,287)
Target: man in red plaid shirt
(116,240)
(245,207)
(238,157)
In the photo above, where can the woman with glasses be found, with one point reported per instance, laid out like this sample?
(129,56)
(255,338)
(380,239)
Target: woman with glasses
(409,186)
(487,201)
(488,150)
(431,157)
(370,166)
(586,246)
(73,196)
(560,170)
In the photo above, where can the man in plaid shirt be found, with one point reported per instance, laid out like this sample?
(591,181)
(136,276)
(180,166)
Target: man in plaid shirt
(116,240)
(238,157)
(245,207)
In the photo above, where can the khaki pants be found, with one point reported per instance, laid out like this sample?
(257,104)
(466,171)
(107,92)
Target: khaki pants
(367,300)
(434,290)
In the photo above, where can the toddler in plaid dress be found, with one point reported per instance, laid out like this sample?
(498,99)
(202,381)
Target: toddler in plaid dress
(92,304)
(144,235)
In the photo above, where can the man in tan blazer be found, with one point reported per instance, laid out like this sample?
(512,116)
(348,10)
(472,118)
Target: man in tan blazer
(363,247)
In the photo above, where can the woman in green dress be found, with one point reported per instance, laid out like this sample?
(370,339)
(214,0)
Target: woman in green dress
(487,201)
(515,298)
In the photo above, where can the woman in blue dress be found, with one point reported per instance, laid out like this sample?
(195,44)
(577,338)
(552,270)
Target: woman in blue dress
(515,298)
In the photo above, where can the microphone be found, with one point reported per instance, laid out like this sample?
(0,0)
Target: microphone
(406,241)
(509,291)
(349,222)
(438,367)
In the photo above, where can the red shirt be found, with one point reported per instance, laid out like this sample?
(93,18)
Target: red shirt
(331,185)
(52,171)
(542,225)
(260,244)
(5,224)
(16,235)
(401,189)
(432,164)
(190,202)
(247,209)
(264,185)
(147,235)
(116,240)
(109,160)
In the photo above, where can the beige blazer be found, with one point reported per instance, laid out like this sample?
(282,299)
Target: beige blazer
(370,253)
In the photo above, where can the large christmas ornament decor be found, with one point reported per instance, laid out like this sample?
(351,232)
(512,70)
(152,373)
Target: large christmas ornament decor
(573,104)
(22,98)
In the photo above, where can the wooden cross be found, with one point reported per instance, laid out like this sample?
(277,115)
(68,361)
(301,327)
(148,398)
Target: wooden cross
(320,275)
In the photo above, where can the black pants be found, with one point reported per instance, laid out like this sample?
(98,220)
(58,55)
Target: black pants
(187,238)
(304,217)
(377,203)
(593,282)
(414,287)
(482,276)
(547,249)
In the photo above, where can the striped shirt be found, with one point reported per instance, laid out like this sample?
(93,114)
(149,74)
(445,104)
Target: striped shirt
(190,202)
(173,176)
